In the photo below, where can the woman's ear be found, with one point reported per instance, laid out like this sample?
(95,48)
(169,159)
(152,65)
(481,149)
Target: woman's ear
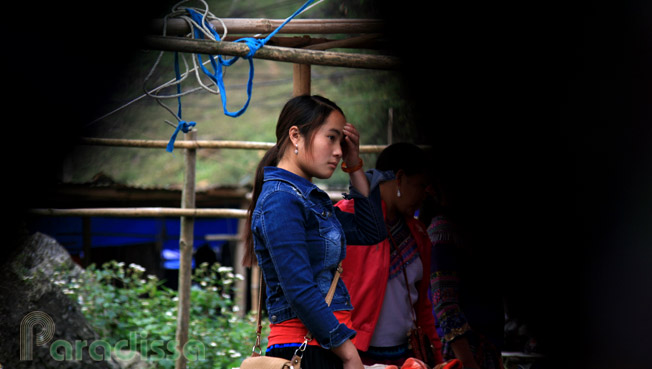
(294,135)
(400,176)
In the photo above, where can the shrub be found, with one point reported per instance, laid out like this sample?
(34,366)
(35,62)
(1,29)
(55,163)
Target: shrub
(123,304)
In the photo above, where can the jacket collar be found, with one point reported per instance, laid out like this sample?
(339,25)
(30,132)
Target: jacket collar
(303,185)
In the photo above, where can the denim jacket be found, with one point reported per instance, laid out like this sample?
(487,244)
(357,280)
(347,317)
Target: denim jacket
(299,240)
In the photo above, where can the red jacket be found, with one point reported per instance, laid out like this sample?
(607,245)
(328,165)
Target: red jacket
(366,270)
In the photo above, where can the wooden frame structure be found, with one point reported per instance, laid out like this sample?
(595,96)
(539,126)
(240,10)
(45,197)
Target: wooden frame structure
(302,52)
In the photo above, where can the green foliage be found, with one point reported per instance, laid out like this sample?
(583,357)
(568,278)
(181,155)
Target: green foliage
(120,302)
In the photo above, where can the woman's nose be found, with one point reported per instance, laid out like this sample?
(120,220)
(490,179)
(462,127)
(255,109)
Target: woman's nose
(338,151)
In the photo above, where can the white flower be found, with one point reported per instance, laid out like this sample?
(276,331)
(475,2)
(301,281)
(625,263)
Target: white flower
(224,269)
(136,267)
(239,277)
(213,344)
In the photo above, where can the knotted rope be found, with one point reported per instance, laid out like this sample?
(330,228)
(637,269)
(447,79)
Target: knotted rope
(201,28)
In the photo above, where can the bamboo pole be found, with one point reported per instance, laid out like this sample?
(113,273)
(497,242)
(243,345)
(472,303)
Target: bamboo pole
(179,27)
(143,212)
(87,240)
(241,285)
(161,144)
(283,54)
(301,79)
(350,42)
(199,144)
(186,248)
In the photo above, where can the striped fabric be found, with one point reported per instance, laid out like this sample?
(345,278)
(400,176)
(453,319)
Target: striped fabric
(407,248)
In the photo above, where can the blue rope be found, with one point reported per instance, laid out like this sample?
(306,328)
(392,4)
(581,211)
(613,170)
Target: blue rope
(253,44)
(217,76)
(183,126)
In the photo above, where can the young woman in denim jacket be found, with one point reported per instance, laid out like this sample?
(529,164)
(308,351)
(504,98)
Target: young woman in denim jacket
(298,238)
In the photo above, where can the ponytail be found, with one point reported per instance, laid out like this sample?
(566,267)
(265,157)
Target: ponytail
(270,158)
(307,113)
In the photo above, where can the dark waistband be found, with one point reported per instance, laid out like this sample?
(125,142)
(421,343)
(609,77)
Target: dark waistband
(388,352)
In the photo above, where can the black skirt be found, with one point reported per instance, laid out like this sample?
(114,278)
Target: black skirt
(314,357)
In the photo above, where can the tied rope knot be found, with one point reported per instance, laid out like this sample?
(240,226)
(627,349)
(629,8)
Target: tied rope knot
(253,43)
(216,76)
(182,126)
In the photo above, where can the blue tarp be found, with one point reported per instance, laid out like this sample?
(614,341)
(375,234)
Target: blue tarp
(110,231)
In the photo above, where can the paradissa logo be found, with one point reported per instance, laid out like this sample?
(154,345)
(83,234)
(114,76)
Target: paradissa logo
(61,350)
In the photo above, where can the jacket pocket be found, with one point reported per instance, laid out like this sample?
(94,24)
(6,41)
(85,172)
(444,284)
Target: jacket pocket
(331,235)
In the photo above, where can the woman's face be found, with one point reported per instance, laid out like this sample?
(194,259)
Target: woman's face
(325,151)
(413,193)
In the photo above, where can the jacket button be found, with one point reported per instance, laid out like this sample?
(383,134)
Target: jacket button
(273,318)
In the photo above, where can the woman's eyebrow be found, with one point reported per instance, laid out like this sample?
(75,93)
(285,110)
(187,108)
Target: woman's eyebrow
(337,131)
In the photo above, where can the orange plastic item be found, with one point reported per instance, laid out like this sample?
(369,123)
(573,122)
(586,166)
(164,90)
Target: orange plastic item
(413,363)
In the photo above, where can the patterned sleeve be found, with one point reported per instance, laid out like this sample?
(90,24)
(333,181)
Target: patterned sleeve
(444,280)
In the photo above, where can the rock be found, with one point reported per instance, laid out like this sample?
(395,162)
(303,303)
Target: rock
(35,310)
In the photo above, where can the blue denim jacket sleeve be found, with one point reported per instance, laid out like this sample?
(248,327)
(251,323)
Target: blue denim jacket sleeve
(367,225)
(286,243)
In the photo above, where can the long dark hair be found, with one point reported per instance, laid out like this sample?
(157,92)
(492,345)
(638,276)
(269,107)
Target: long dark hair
(307,113)
(404,156)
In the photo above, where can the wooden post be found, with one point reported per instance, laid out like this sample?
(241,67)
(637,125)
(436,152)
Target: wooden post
(301,77)
(390,126)
(185,249)
(241,285)
(86,240)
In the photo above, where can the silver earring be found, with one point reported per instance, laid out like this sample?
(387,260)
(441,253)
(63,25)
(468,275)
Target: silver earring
(296,149)
(398,192)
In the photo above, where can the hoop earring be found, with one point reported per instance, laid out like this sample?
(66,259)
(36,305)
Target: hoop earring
(296,149)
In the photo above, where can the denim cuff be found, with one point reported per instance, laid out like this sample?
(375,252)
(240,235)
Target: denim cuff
(338,336)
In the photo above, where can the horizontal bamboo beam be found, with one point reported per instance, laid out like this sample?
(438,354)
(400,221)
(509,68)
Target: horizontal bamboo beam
(144,212)
(372,41)
(179,27)
(198,144)
(282,54)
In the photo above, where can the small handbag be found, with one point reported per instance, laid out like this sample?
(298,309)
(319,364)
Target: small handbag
(257,360)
